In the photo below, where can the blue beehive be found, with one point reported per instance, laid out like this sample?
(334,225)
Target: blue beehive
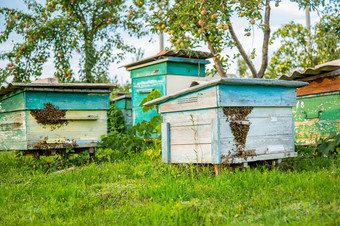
(169,71)
(229,121)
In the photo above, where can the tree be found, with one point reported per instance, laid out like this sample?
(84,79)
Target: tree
(301,49)
(242,69)
(64,28)
(191,22)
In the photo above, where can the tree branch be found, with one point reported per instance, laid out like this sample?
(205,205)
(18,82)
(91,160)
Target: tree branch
(241,50)
(266,36)
(217,62)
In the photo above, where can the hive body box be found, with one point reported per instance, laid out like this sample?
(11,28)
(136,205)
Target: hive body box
(86,108)
(166,73)
(124,104)
(196,128)
(317,112)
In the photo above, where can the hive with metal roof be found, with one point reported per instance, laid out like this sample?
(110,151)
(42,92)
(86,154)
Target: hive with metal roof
(317,113)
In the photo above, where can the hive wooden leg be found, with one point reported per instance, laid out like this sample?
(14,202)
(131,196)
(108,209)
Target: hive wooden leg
(217,168)
(91,152)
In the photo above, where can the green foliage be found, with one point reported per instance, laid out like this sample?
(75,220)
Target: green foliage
(140,137)
(89,29)
(242,68)
(115,120)
(327,147)
(191,23)
(301,49)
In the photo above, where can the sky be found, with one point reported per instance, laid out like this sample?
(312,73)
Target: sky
(286,12)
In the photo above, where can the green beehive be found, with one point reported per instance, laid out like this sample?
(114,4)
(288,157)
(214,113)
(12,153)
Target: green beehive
(124,104)
(317,112)
(49,117)
(169,72)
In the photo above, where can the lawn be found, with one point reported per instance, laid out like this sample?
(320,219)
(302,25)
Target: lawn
(138,189)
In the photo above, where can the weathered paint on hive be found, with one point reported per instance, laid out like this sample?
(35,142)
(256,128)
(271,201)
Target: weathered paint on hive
(172,68)
(256,96)
(197,127)
(13,130)
(12,102)
(205,98)
(84,128)
(270,132)
(141,88)
(66,101)
(191,136)
(316,116)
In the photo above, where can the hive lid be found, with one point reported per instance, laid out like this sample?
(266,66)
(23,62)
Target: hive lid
(67,87)
(121,98)
(185,55)
(331,68)
(229,81)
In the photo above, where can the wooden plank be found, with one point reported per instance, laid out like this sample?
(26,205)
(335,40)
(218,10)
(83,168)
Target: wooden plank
(13,103)
(13,131)
(194,134)
(192,153)
(68,101)
(82,132)
(141,85)
(151,70)
(215,142)
(256,96)
(259,144)
(177,83)
(188,118)
(202,99)
(185,69)
(166,151)
(260,158)
(321,85)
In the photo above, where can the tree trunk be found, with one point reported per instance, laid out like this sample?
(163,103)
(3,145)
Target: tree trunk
(241,50)
(88,61)
(266,35)
(217,62)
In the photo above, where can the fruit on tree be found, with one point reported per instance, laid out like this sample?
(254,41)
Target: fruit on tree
(203,12)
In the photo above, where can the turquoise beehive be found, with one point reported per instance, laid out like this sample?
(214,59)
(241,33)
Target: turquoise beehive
(229,121)
(169,71)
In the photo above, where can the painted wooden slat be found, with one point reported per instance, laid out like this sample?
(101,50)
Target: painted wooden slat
(197,134)
(68,101)
(261,158)
(188,118)
(256,96)
(151,70)
(150,83)
(215,142)
(13,103)
(259,144)
(13,131)
(186,69)
(205,98)
(177,83)
(271,113)
(84,132)
(191,153)
(166,151)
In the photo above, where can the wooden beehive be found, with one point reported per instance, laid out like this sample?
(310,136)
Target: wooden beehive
(317,112)
(123,103)
(169,71)
(229,121)
(38,117)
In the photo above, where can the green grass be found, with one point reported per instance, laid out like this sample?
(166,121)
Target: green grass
(139,189)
